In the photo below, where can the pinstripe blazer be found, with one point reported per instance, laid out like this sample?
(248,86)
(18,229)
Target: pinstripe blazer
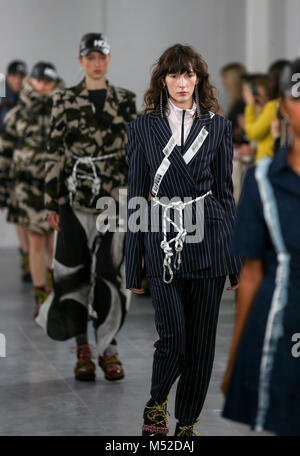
(209,169)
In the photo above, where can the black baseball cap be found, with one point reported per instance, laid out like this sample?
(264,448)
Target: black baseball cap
(290,80)
(44,70)
(93,42)
(17,66)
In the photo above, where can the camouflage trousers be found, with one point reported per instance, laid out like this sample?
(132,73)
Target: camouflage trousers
(89,282)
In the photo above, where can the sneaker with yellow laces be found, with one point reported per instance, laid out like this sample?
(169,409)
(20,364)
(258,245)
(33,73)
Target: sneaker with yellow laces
(155,419)
(186,431)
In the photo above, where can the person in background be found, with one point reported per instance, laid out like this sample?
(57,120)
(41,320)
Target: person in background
(23,147)
(86,160)
(232,78)
(281,131)
(245,151)
(15,74)
(16,71)
(261,381)
(258,127)
(232,82)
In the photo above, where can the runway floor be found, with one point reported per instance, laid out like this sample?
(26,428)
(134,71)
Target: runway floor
(39,395)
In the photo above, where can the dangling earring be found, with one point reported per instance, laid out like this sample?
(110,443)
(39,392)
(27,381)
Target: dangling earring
(197,101)
(161,100)
(161,103)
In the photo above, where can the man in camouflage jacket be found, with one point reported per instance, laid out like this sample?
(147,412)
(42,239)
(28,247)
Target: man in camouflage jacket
(16,72)
(87,160)
(22,159)
(76,134)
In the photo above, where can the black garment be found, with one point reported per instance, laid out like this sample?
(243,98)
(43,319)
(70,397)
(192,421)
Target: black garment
(97,98)
(88,270)
(209,169)
(276,145)
(238,134)
(186,316)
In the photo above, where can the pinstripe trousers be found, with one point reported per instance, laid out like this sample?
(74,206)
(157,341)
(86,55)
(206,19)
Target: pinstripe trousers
(186,315)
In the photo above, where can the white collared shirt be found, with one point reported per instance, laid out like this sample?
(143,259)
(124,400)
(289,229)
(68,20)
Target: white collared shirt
(175,121)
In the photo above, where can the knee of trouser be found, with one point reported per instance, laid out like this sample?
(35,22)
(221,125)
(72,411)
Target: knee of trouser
(171,345)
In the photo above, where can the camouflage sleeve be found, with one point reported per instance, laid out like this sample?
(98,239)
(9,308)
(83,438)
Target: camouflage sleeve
(130,107)
(8,139)
(127,109)
(55,154)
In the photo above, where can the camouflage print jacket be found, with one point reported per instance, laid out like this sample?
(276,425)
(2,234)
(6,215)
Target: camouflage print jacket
(23,143)
(75,134)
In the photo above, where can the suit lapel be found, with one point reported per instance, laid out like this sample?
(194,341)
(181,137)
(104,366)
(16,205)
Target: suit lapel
(197,126)
(163,134)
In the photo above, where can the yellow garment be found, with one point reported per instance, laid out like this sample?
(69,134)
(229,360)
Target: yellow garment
(259,128)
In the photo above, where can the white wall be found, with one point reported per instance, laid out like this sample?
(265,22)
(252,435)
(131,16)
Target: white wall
(140,31)
(47,30)
(254,32)
(292,29)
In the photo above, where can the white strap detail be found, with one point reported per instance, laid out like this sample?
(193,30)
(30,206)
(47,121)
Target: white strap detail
(170,146)
(96,181)
(164,166)
(160,174)
(178,239)
(211,114)
(193,149)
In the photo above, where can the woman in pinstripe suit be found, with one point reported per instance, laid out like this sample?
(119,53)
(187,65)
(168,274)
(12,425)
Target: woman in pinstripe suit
(179,150)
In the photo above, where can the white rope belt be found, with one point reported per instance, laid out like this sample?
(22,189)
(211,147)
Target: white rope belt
(75,176)
(178,239)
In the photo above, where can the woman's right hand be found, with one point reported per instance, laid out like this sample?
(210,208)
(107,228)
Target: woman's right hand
(137,290)
(53,220)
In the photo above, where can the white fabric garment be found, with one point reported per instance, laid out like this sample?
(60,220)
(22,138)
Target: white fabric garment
(175,121)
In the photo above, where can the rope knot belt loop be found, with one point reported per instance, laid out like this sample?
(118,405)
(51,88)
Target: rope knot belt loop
(73,179)
(179,239)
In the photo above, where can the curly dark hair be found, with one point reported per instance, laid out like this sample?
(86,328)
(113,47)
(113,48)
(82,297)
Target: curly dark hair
(180,59)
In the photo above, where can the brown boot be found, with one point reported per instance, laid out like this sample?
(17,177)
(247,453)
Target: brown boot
(112,367)
(85,368)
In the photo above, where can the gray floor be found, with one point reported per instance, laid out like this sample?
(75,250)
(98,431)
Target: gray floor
(39,395)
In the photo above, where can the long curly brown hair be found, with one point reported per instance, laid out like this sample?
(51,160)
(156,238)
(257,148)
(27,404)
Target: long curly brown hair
(180,59)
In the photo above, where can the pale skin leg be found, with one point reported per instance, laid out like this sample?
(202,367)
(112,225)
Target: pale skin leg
(49,248)
(251,278)
(23,238)
(37,245)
